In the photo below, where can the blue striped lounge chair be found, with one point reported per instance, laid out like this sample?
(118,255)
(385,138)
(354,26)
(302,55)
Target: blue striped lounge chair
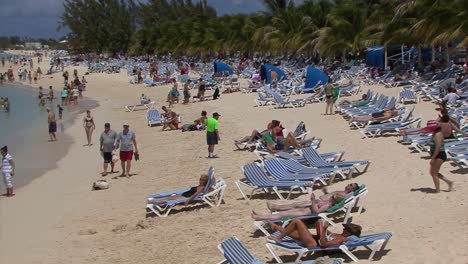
(258,179)
(282,102)
(279,172)
(407,95)
(330,156)
(154,117)
(314,160)
(262,100)
(350,201)
(373,242)
(137,107)
(212,195)
(234,252)
(379,129)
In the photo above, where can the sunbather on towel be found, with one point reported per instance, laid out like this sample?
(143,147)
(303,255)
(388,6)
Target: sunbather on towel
(316,206)
(191,194)
(376,117)
(299,231)
(303,204)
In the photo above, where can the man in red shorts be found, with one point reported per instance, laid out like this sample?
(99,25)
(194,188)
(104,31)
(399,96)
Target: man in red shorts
(126,141)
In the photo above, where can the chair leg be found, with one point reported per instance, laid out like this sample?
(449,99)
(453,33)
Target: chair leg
(348,253)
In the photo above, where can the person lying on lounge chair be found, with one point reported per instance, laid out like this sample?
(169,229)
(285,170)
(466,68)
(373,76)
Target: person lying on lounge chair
(191,194)
(299,231)
(356,103)
(375,117)
(316,206)
(304,204)
(255,135)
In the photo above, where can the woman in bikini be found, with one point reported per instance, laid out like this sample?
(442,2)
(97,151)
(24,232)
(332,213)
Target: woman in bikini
(329,97)
(316,206)
(89,126)
(191,193)
(299,231)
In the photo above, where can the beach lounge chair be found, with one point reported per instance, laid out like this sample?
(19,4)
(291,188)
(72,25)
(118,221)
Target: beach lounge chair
(262,100)
(154,117)
(300,133)
(137,107)
(314,160)
(212,195)
(379,129)
(281,102)
(257,179)
(373,242)
(329,157)
(350,201)
(407,95)
(234,252)
(277,170)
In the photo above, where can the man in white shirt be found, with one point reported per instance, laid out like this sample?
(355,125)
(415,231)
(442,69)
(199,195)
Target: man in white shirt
(451,97)
(8,170)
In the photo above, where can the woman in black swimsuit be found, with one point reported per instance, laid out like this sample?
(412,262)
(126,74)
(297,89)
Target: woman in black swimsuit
(191,193)
(89,126)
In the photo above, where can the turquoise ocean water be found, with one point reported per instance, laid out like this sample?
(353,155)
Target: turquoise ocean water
(25,131)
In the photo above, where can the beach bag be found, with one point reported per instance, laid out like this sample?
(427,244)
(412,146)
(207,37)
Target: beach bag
(100,185)
(115,157)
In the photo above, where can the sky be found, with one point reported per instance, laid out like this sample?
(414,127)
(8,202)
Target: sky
(39,18)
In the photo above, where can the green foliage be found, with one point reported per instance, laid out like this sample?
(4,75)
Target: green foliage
(325,26)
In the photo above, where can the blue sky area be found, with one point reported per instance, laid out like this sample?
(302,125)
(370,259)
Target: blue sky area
(39,18)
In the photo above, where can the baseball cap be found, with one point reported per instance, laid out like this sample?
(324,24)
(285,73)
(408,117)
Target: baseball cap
(216,114)
(126,124)
(353,229)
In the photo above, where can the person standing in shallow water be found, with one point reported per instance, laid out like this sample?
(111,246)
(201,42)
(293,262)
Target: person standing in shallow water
(52,125)
(8,170)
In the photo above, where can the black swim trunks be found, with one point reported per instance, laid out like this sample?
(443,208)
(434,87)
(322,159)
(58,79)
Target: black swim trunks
(107,157)
(190,192)
(211,138)
(52,127)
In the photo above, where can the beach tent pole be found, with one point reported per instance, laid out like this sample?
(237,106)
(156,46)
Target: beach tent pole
(386,59)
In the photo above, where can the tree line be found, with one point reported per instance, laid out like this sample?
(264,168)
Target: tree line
(326,27)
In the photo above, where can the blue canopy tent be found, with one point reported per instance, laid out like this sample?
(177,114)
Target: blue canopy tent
(220,67)
(375,56)
(313,76)
(265,73)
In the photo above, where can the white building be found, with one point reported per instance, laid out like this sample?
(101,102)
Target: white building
(33,45)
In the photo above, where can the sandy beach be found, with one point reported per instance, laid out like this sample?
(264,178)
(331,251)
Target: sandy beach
(58,219)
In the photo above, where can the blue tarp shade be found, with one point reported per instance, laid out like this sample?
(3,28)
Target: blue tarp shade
(313,76)
(222,67)
(375,56)
(265,73)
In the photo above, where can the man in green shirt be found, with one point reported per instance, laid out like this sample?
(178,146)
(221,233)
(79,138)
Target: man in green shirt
(212,134)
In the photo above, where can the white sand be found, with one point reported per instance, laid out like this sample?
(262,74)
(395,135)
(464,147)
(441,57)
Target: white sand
(57,219)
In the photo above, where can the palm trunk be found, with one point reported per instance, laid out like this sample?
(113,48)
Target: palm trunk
(344,56)
(433,51)
(447,54)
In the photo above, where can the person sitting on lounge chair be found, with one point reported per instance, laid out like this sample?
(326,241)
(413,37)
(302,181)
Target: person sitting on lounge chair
(299,231)
(304,204)
(171,119)
(357,103)
(401,77)
(255,135)
(375,117)
(316,206)
(191,194)
(144,99)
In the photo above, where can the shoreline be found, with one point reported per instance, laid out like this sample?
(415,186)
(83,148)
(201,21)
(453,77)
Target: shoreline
(40,162)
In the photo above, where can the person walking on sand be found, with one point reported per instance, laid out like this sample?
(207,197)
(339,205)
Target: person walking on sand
(438,155)
(89,126)
(8,170)
(329,97)
(107,146)
(212,134)
(126,140)
(52,125)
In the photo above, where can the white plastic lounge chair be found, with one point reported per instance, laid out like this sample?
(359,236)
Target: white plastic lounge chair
(137,107)
(212,195)
(234,252)
(373,242)
(277,170)
(154,117)
(262,100)
(407,95)
(314,160)
(379,129)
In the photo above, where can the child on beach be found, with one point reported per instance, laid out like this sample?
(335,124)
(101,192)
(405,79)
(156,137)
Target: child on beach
(8,170)
(60,111)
